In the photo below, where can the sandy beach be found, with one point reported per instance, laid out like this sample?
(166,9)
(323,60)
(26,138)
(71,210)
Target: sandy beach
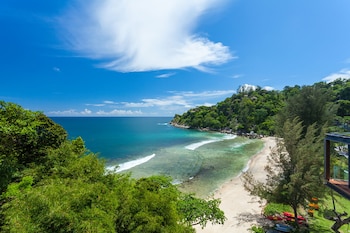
(241,210)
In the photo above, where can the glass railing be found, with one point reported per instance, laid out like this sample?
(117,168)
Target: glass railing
(340,173)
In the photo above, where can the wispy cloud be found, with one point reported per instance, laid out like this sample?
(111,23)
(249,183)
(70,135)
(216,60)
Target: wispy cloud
(237,76)
(109,102)
(86,112)
(342,74)
(187,99)
(167,75)
(206,94)
(96,105)
(131,35)
(118,112)
(70,112)
(181,100)
(56,69)
(170,104)
(159,102)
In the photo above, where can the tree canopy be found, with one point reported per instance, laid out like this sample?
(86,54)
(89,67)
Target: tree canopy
(294,170)
(52,184)
(265,112)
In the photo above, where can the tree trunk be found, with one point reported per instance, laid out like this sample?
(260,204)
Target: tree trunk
(339,222)
(296,217)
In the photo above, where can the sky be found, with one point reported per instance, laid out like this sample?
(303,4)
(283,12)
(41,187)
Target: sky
(161,58)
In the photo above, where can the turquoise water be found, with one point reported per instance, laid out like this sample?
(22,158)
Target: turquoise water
(120,139)
(199,161)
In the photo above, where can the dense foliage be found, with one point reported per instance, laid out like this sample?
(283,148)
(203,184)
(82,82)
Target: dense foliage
(294,174)
(299,116)
(51,184)
(251,110)
(25,138)
(264,112)
(295,168)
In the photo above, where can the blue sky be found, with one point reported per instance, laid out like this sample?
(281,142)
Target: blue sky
(160,58)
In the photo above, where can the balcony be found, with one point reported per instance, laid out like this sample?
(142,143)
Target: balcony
(336,162)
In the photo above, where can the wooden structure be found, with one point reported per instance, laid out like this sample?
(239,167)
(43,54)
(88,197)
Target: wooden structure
(339,185)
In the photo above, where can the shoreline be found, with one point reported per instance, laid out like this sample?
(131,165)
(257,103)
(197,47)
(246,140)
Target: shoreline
(241,210)
(219,163)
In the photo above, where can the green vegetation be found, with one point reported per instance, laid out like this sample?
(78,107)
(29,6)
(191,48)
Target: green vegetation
(319,222)
(295,169)
(245,111)
(265,112)
(274,208)
(51,184)
(294,174)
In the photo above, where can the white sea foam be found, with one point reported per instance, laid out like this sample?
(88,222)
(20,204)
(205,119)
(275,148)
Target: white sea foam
(238,145)
(196,145)
(131,164)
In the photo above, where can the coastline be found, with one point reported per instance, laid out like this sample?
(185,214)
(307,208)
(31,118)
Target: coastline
(241,210)
(218,162)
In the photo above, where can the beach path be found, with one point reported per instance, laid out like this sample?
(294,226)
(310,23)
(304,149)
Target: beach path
(241,210)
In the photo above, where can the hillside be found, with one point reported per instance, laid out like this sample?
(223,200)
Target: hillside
(255,109)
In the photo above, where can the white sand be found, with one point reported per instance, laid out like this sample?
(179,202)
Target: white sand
(241,210)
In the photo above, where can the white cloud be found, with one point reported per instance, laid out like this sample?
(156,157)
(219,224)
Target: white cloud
(207,94)
(118,112)
(132,35)
(159,102)
(342,74)
(268,88)
(108,102)
(186,99)
(174,102)
(237,76)
(206,104)
(95,105)
(70,112)
(86,112)
(167,75)
(169,101)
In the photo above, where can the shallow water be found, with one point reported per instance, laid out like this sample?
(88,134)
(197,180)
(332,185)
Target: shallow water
(144,146)
(204,169)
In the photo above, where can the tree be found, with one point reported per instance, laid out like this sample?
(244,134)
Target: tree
(153,204)
(51,184)
(197,211)
(112,203)
(294,173)
(344,108)
(61,205)
(249,110)
(311,105)
(25,138)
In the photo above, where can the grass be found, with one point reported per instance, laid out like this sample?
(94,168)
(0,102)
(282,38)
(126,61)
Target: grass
(318,223)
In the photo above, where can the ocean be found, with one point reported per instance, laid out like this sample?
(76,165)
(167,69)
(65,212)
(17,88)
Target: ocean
(197,161)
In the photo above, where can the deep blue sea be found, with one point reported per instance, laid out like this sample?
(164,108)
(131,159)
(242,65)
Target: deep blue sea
(150,145)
